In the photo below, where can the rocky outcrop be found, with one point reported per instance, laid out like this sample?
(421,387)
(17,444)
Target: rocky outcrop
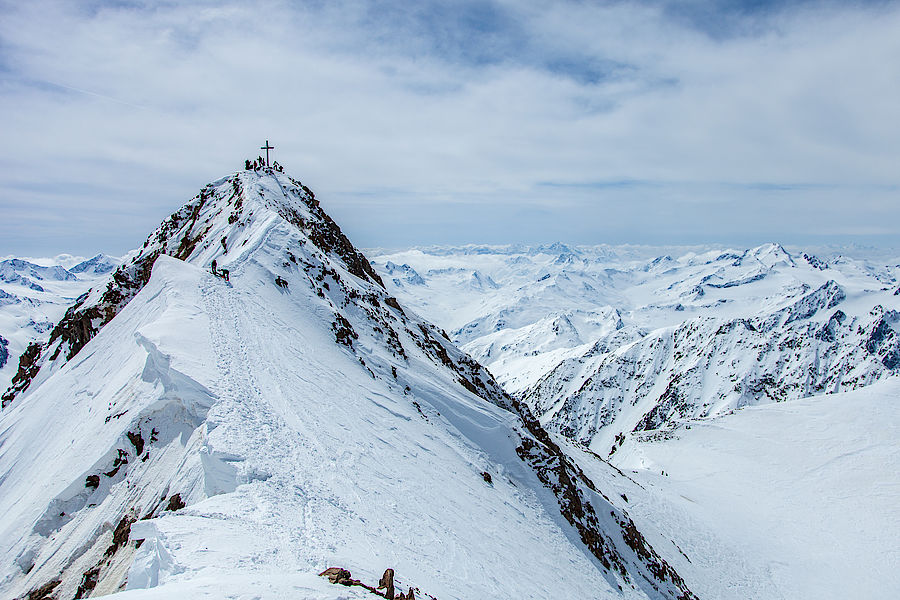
(884,342)
(28,368)
(339,576)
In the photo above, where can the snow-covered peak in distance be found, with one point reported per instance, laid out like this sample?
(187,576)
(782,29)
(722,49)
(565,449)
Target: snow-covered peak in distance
(623,291)
(584,335)
(16,270)
(34,294)
(184,431)
(97,265)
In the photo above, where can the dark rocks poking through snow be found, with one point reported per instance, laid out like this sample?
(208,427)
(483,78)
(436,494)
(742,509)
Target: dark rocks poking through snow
(175,503)
(45,592)
(341,576)
(578,498)
(28,368)
(884,342)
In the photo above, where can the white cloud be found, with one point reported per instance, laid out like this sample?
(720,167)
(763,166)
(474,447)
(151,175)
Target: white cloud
(117,113)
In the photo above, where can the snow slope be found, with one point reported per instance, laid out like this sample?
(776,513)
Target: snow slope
(183,435)
(782,501)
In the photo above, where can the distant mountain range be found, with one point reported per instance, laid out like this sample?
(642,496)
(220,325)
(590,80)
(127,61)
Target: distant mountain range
(603,344)
(34,296)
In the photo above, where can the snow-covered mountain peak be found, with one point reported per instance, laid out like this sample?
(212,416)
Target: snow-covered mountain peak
(227,214)
(96,265)
(27,274)
(226,222)
(282,417)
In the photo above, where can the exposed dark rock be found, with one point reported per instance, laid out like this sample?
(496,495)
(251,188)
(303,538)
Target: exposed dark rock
(92,481)
(28,368)
(883,341)
(137,441)
(175,503)
(88,583)
(337,575)
(392,302)
(120,534)
(487,478)
(815,262)
(671,405)
(387,584)
(828,296)
(343,331)
(45,592)
(828,332)
(4,353)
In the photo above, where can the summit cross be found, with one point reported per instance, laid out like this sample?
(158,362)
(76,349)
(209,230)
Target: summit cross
(267,147)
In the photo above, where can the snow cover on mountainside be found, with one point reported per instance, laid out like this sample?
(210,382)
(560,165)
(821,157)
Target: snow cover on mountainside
(787,501)
(183,433)
(34,294)
(709,391)
(602,342)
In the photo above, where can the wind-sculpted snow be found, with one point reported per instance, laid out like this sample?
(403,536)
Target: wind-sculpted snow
(95,450)
(287,417)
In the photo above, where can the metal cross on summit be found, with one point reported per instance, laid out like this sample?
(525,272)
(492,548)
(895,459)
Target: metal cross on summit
(267,147)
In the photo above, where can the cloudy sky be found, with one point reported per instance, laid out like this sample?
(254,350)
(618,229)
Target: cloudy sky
(724,121)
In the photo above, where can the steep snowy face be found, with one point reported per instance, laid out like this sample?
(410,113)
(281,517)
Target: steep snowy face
(258,419)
